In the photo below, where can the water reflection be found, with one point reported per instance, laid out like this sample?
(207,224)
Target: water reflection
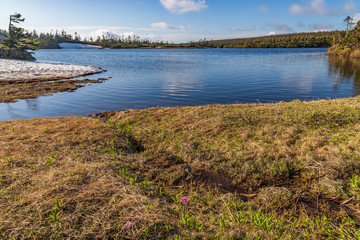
(32,104)
(345,70)
(181,86)
(11,111)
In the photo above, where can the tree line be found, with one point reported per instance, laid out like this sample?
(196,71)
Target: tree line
(108,40)
(294,40)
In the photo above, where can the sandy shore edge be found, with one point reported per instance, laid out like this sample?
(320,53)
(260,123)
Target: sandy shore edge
(15,70)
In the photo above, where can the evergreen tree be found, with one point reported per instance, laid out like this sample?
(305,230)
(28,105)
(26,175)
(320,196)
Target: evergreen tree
(18,37)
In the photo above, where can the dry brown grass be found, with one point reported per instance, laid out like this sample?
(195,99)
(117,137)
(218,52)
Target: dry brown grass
(11,91)
(308,151)
(255,171)
(70,159)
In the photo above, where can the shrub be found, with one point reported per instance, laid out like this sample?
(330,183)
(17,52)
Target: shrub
(15,53)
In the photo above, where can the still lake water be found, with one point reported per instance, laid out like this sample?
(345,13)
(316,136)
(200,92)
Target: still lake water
(143,78)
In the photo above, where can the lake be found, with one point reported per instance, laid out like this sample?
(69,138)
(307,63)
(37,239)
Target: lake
(143,78)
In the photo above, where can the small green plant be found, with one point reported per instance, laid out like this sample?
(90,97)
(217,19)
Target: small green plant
(144,184)
(146,232)
(57,203)
(185,218)
(348,229)
(168,228)
(55,214)
(212,219)
(176,198)
(51,161)
(133,180)
(262,221)
(222,221)
(355,185)
(199,225)
(148,207)
(123,170)
(8,160)
(240,217)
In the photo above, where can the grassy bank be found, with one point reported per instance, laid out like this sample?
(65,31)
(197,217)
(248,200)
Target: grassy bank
(344,51)
(12,91)
(259,171)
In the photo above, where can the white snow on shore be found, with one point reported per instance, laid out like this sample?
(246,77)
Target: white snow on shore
(25,70)
(78,46)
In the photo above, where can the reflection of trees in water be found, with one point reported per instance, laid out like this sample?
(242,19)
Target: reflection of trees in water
(32,104)
(345,70)
(10,109)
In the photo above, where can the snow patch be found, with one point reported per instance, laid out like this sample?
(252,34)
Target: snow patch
(78,46)
(11,70)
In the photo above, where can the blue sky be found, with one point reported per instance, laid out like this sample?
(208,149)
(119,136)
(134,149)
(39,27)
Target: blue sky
(181,20)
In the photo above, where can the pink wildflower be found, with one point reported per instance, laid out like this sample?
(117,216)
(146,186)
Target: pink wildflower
(128,224)
(188,145)
(184,199)
(116,154)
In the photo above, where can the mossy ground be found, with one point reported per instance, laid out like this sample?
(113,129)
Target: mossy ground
(250,171)
(12,91)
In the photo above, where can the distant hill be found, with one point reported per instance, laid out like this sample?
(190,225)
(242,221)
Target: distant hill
(294,40)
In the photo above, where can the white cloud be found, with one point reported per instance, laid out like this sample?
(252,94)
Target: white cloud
(247,29)
(250,28)
(108,32)
(301,24)
(164,25)
(349,7)
(281,27)
(84,28)
(356,17)
(321,26)
(271,33)
(184,6)
(319,7)
(263,8)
